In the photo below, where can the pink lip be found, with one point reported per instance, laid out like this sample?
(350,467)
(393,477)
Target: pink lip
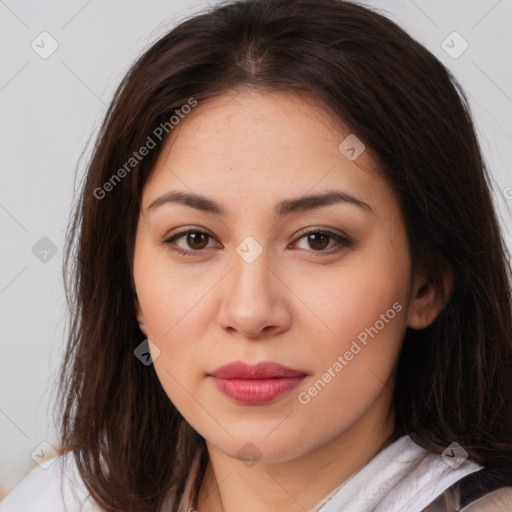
(255,384)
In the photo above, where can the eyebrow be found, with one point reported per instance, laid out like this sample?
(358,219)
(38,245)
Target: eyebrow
(281,209)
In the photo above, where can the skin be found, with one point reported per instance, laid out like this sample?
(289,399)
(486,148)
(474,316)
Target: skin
(249,149)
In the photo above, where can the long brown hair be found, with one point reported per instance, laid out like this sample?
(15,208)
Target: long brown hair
(132,446)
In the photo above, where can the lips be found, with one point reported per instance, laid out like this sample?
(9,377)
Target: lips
(258,384)
(264,370)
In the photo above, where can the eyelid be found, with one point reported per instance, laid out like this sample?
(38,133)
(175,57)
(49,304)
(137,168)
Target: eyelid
(320,229)
(169,238)
(344,241)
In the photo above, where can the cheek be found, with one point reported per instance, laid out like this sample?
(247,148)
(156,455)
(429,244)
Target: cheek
(363,310)
(171,306)
(174,324)
(168,298)
(352,363)
(354,298)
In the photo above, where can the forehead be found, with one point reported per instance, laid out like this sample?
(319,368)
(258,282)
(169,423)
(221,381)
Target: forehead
(251,143)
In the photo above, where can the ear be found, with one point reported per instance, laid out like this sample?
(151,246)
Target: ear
(427,301)
(140,316)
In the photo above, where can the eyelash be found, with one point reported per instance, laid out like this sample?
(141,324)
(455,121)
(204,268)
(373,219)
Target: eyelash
(343,241)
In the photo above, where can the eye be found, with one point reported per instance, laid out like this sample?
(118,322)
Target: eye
(317,240)
(193,237)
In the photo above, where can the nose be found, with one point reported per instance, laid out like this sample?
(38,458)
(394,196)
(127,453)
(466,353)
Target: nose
(254,299)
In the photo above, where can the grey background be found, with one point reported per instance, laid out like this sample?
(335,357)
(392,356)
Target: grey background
(51,107)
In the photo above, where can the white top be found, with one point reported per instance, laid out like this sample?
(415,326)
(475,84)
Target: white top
(404,477)
(55,486)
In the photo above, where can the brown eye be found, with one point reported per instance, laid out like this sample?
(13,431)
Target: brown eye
(318,241)
(197,240)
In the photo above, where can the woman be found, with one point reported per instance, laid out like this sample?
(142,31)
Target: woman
(290,288)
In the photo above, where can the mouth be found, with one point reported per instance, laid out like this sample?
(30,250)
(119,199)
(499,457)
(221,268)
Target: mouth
(258,384)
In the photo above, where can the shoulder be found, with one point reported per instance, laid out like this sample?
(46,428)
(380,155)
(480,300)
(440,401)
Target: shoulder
(497,501)
(55,488)
(421,476)
(452,476)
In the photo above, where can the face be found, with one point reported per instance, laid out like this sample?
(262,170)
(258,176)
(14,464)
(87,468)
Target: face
(257,273)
